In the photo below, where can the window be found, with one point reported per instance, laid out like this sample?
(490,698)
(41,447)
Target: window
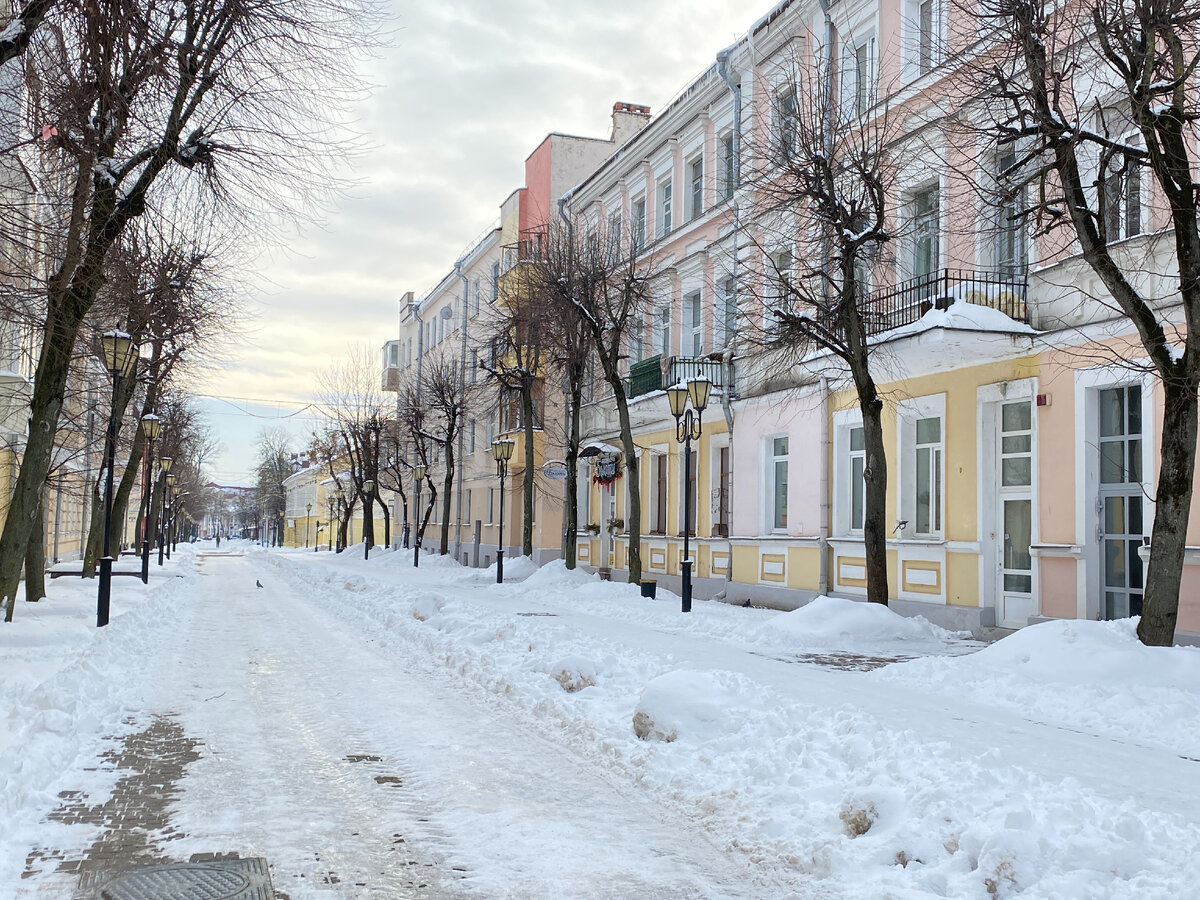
(475,298)
(777,478)
(857,486)
(471,436)
(729,312)
(786,106)
(473,374)
(862,75)
(637,340)
(855,76)
(1010,249)
(664,208)
(781,266)
(926,232)
(466,513)
(614,236)
(495,281)
(393,355)
(660,493)
(691,304)
(928,477)
(925,36)
(1122,201)
(696,179)
(729,181)
(637,225)
(662,327)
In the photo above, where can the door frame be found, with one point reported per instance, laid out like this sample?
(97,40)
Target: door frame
(989,398)
(1088,384)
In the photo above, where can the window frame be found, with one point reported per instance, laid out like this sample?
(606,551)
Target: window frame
(775,512)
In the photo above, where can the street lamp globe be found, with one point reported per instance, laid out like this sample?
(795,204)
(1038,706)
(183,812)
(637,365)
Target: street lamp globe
(699,389)
(677,397)
(502,449)
(419,471)
(165,463)
(119,351)
(151,424)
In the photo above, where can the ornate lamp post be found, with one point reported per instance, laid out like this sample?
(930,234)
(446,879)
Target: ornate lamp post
(168,480)
(307,516)
(418,475)
(368,510)
(687,429)
(119,353)
(151,425)
(502,451)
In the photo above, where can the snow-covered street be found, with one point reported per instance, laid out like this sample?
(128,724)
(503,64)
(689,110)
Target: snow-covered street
(378,731)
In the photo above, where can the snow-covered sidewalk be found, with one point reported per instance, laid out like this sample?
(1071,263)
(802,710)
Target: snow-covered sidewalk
(561,736)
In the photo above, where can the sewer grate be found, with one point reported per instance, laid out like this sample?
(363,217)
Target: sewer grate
(216,879)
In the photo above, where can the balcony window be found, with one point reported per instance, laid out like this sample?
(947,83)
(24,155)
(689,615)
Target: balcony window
(696,178)
(926,232)
(694,328)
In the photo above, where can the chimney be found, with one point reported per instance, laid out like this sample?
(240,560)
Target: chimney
(628,119)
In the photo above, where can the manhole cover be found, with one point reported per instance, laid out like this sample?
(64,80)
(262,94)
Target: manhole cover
(221,879)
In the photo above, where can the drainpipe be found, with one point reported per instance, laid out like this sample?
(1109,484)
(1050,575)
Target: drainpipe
(462,389)
(823,533)
(727,357)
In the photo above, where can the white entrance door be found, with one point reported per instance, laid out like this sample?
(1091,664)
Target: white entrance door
(1015,508)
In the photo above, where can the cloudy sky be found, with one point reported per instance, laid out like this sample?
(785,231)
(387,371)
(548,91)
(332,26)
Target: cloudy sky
(465,92)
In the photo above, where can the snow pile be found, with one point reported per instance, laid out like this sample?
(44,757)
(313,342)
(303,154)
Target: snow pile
(556,576)
(1094,676)
(696,706)
(834,623)
(516,569)
(574,673)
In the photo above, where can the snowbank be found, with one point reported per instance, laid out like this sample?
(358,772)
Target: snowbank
(1094,676)
(834,623)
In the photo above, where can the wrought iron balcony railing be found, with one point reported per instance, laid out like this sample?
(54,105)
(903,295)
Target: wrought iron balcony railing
(906,302)
(652,375)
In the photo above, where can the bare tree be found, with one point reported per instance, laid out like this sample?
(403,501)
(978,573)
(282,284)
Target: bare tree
(614,283)
(162,108)
(518,358)
(18,32)
(273,467)
(446,401)
(821,188)
(1096,99)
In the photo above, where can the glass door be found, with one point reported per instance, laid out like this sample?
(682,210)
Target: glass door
(1016,513)
(1121,500)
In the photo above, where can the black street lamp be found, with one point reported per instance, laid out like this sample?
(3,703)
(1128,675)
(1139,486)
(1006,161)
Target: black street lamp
(368,510)
(176,508)
(687,429)
(151,425)
(418,475)
(119,353)
(502,451)
(307,516)
(168,486)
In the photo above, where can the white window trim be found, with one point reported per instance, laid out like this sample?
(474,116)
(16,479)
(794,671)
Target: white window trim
(843,421)
(767,484)
(907,414)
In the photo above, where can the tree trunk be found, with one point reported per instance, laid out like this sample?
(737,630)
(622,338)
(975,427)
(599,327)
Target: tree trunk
(527,484)
(35,558)
(95,533)
(571,528)
(874,495)
(447,487)
(58,342)
(387,521)
(1172,503)
(633,518)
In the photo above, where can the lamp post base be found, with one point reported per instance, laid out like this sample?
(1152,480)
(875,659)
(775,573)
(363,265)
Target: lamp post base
(687,585)
(145,562)
(500,566)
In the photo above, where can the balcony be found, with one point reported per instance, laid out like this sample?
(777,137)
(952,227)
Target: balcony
(905,303)
(652,374)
